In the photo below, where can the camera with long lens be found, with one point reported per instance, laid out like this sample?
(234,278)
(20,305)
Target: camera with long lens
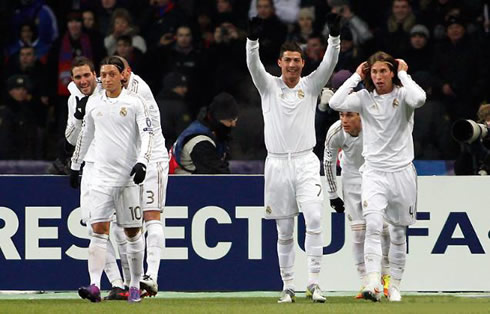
(475,147)
(468,131)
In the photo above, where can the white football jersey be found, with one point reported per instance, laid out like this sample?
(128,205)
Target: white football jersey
(118,126)
(289,113)
(350,157)
(387,120)
(73,125)
(138,86)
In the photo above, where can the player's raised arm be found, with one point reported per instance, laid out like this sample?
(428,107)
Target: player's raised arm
(322,74)
(414,94)
(344,99)
(256,68)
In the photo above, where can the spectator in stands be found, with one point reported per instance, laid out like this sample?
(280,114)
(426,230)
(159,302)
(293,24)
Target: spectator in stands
(37,12)
(133,55)
(303,28)
(27,130)
(225,12)
(28,37)
(121,24)
(315,49)
(458,65)
(359,29)
(90,26)
(161,20)
(395,38)
(228,58)
(431,129)
(183,57)
(104,10)
(350,55)
(286,10)
(175,115)
(26,63)
(202,148)
(420,53)
(273,34)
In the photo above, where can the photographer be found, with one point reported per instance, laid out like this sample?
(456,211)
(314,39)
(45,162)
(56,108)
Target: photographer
(474,139)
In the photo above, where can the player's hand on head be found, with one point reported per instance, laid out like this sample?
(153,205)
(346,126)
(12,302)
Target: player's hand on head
(362,70)
(402,65)
(74,178)
(80,108)
(337,204)
(333,22)
(139,172)
(255,28)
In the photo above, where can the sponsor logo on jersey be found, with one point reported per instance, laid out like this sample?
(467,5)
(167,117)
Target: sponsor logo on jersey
(301,94)
(123,112)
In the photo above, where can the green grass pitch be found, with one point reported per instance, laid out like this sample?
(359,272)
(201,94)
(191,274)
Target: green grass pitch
(249,305)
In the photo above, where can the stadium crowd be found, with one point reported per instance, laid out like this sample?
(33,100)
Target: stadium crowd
(189,51)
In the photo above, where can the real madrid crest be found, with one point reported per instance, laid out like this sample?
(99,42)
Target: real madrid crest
(395,102)
(123,112)
(268,210)
(301,94)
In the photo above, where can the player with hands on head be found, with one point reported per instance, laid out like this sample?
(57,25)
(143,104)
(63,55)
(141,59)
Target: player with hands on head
(389,189)
(288,106)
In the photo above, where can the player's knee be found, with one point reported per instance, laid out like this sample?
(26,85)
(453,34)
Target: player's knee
(398,235)
(374,224)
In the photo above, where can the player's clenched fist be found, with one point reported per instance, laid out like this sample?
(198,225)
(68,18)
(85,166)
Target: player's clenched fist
(255,28)
(80,108)
(139,171)
(75,178)
(337,204)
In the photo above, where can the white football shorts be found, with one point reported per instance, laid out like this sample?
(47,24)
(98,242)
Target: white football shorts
(291,180)
(154,188)
(394,194)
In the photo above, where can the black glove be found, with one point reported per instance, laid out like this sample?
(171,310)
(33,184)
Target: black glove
(337,204)
(75,178)
(139,171)
(80,109)
(255,28)
(333,22)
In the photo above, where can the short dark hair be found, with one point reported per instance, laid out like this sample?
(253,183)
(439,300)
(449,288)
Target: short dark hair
(113,60)
(291,46)
(381,56)
(81,61)
(126,38)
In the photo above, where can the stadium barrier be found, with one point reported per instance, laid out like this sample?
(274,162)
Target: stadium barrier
(217,239)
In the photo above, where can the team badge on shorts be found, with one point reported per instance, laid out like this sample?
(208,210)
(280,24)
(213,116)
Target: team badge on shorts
(268,210)
(123,112)
(364,204)
(301,94)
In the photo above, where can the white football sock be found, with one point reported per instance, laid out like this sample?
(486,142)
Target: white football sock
(358,236)
(398,251)
(372,242)
(285,251)
(111,269)
(136,252)
(312,212)
(96,257)
(385,248)
(121,241)
(154,246)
